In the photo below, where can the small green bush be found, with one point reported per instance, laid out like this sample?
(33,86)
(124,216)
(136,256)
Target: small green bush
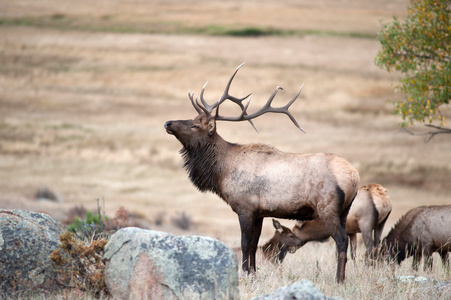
(93,226)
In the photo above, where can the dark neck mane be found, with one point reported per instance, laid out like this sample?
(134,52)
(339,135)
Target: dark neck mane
(203,163)
(402,224)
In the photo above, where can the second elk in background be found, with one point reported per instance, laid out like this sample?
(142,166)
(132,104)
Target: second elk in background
(368,214)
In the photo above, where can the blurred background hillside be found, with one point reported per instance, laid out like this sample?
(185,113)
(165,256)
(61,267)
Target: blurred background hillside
(86,87)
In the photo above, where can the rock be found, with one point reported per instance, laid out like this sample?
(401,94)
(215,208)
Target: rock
(27,239)
(303,289)
(147,264)
(445,288)
(409,279)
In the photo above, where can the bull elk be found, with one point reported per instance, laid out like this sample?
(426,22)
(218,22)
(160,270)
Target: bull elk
(276,248)
(420,232)
(259,181)
(368,214)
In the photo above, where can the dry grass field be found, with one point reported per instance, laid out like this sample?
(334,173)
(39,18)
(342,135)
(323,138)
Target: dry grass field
(86,87)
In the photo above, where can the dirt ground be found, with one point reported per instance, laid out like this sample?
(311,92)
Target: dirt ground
(82,110)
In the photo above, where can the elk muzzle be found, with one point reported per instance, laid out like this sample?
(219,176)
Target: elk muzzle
(167,126)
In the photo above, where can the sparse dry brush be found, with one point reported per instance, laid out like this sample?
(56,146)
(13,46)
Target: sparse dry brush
(80,264)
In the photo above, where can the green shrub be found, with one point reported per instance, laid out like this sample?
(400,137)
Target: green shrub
(93,226)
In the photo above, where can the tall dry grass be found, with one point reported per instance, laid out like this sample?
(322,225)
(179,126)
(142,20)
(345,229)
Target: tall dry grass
(316,262)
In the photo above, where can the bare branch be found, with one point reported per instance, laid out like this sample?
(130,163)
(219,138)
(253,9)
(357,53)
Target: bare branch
(429,135)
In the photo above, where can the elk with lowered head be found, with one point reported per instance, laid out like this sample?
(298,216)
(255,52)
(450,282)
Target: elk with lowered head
(276,248)
(368,214)
(259,181)
(420,232)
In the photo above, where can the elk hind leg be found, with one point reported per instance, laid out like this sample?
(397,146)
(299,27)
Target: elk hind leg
(341,240)
(334,220)
(377,236)
(353,244)
(338,233)
(367,235)
(378,231)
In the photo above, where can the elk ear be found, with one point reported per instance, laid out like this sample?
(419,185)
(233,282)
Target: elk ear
(211,126)
(277,225)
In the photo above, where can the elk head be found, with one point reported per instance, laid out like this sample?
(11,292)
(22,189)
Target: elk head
(286,238)
(192,132)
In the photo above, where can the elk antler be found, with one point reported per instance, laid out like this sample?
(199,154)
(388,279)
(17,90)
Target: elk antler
(244,116)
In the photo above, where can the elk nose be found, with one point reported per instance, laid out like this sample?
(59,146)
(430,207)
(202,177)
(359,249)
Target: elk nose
(167,124)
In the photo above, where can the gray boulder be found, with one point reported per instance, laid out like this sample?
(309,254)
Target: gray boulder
(147,264)
(300,290)
(27,239)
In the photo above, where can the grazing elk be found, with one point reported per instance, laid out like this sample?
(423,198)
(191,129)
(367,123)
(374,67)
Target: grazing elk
(259,181)
(368,214)
(421,231)
(277,247)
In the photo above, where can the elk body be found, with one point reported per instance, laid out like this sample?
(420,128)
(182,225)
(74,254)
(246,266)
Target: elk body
(368,214)
(259,181)
(277,247)
(420,232)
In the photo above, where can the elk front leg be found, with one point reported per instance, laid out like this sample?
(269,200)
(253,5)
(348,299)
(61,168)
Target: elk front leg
(250,233)
(417,255)
(254,242)
(427,264)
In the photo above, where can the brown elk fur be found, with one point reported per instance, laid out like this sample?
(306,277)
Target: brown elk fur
(367,215)
(259,181)
(277,247)
(420,232)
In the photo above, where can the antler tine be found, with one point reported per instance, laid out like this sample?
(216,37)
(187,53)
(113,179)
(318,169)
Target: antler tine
(190,96)
(243,112)
(285,109)
(196,105)
(266,109)
(206,105)
(238,101)
(225,96)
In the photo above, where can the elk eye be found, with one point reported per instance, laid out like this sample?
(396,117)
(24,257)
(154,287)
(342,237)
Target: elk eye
(195,126)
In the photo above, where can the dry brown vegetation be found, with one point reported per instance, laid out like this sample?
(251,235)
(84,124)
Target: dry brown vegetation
(85,90)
